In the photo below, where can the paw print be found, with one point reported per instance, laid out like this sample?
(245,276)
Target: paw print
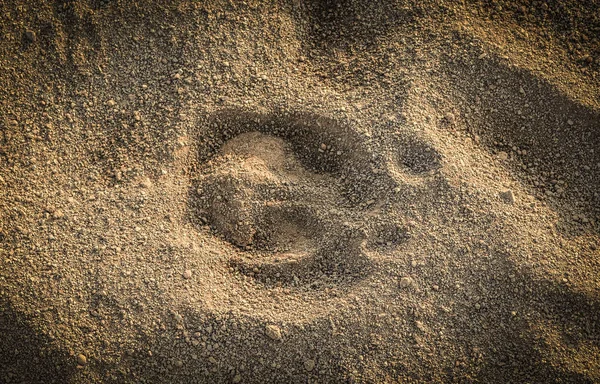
(297,197)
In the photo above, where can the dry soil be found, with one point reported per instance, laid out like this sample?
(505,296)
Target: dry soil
(317,191)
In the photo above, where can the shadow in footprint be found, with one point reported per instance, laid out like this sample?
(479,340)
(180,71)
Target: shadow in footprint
(340,260)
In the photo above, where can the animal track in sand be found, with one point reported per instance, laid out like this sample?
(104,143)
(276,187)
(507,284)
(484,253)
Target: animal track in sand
(293,197)
(285,218)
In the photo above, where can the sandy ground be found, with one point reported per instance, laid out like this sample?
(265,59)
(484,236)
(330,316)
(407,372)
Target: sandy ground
(299,191)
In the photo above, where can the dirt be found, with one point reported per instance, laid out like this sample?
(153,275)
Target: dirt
(299,191)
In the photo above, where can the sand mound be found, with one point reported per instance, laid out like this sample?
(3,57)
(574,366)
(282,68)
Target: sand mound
(316,191)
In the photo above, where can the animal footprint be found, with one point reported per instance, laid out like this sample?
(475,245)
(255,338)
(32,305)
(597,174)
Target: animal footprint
(292,196)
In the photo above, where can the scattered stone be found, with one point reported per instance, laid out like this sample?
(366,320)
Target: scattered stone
(58,214)
(502,156)
(81,359)
(570,122)
(30,36)
(237,378)
(146,183)
(323,146)
(406,282)
(178,363)
(309,365)
(449,119)
(187,274)
(273,332)
(507,196)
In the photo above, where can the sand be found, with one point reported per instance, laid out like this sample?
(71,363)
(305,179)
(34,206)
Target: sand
(299,191)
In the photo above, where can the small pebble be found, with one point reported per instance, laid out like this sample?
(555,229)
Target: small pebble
(309,365)
(406,282)
(146,183)
(187,274)
(507,196)
(81,359)
(30,35)
(273,332)
(449,118)
(237,378)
